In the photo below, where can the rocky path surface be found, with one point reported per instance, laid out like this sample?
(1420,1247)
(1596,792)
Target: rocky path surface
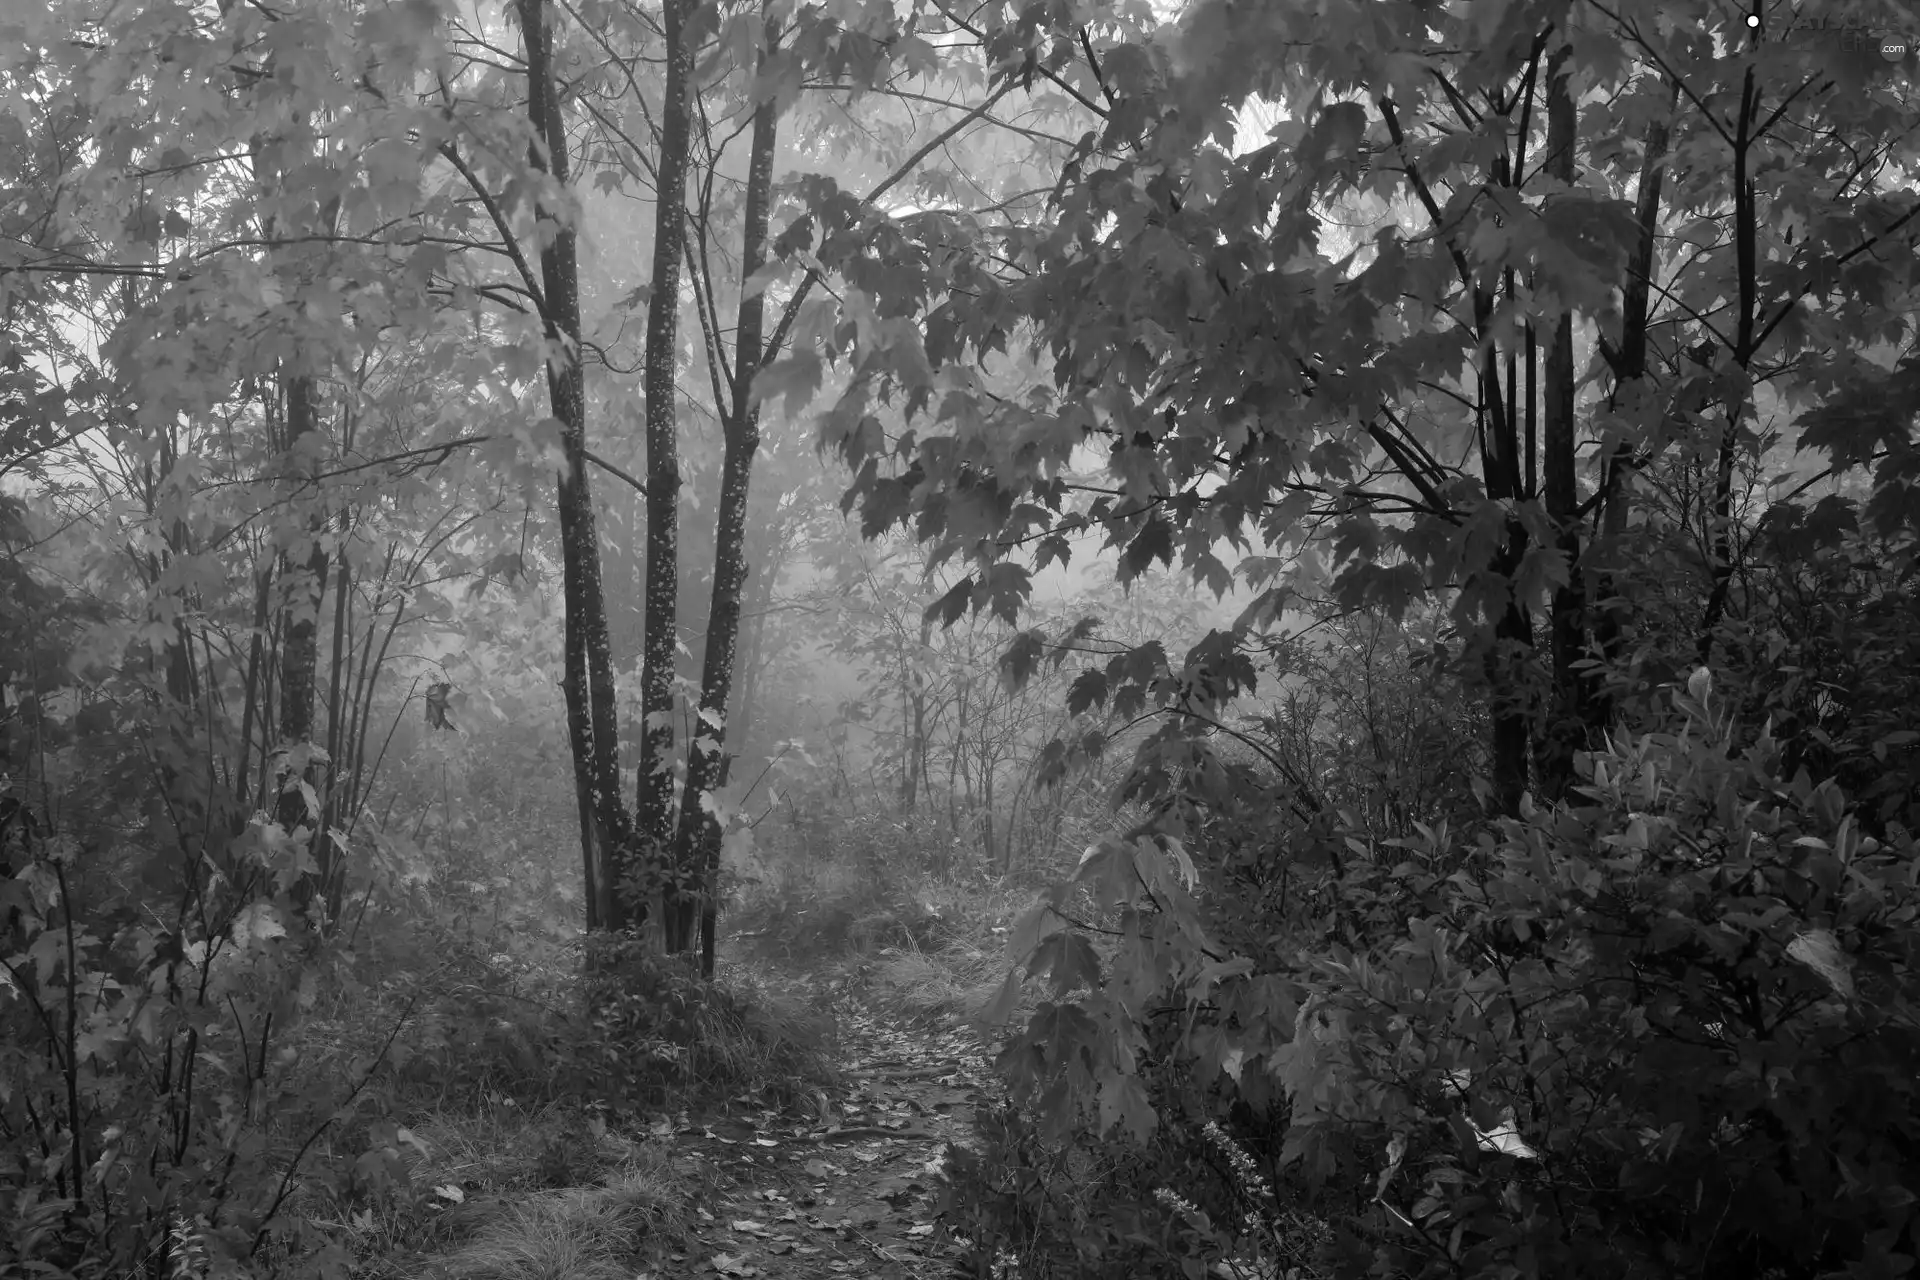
(851,1193)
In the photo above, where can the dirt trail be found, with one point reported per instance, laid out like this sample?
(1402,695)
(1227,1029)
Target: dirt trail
(851,1194)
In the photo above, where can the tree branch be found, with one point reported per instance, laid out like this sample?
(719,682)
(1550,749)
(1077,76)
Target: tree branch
(813,277)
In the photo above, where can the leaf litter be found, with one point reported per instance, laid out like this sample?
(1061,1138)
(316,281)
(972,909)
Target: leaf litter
(852,1191)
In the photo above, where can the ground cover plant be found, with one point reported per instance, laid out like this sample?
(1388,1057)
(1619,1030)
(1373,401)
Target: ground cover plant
(1664,1027)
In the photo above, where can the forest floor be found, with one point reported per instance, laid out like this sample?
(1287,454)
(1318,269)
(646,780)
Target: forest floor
(843,1184)
(849,1192)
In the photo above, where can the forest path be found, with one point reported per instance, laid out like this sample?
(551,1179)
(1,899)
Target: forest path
(852,1192)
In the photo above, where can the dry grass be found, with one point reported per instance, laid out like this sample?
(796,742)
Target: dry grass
(929,948)
(511,1195)
(576,1233)
(751,1038)
(954,982)
(499,1145)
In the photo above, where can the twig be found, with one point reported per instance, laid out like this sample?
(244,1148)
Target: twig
(293,1165)
(855,1132)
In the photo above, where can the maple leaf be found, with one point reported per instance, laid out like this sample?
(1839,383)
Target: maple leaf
(1021,656)
(1153,542)
(1089,690)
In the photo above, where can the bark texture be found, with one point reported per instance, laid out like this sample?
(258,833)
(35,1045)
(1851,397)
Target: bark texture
(1721,542)
(653,804)
(587,679)
(299,643)
(1565,732)
(1511,701)
(300,635)
(700,834)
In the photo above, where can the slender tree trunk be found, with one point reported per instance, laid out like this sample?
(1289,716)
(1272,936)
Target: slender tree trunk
(256,652)
(299,631)
(743,724)
(269,693)
(299,645)
(1629,373)
(989,839)
(1720,526)
(1746,259)
(1567,723)
(587,676)
(700,831)
(653,805)
(916,762)
(1510,700)
(352,771)
(328,857)
(306,588)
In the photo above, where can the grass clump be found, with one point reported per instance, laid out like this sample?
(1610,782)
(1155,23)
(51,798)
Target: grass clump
(955,983)
(888,907)
(657,1034)
(598,1232)
(497,1133)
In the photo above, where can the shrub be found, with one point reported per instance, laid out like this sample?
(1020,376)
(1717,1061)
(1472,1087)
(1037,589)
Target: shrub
(154,1119)
(1666,1027)
(653,1030)
(1670,1027)
(1832,658)
(868,889)
(1036,1201)
(579,1232)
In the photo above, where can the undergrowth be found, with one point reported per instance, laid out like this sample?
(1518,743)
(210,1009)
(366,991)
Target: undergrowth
(524,1099)
(884,905)
(655,1033)
(268,1101)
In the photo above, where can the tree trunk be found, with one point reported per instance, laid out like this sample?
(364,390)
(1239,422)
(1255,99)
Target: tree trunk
(700,832)
(743,723)
(298,649)
(916,754)
(300,626)
(301,609)
(1746,258)
(328,856)
(262,601)
(1567,724)
(623,516)
(587,678)
(1629,364)
(654,787)
(1510,700)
